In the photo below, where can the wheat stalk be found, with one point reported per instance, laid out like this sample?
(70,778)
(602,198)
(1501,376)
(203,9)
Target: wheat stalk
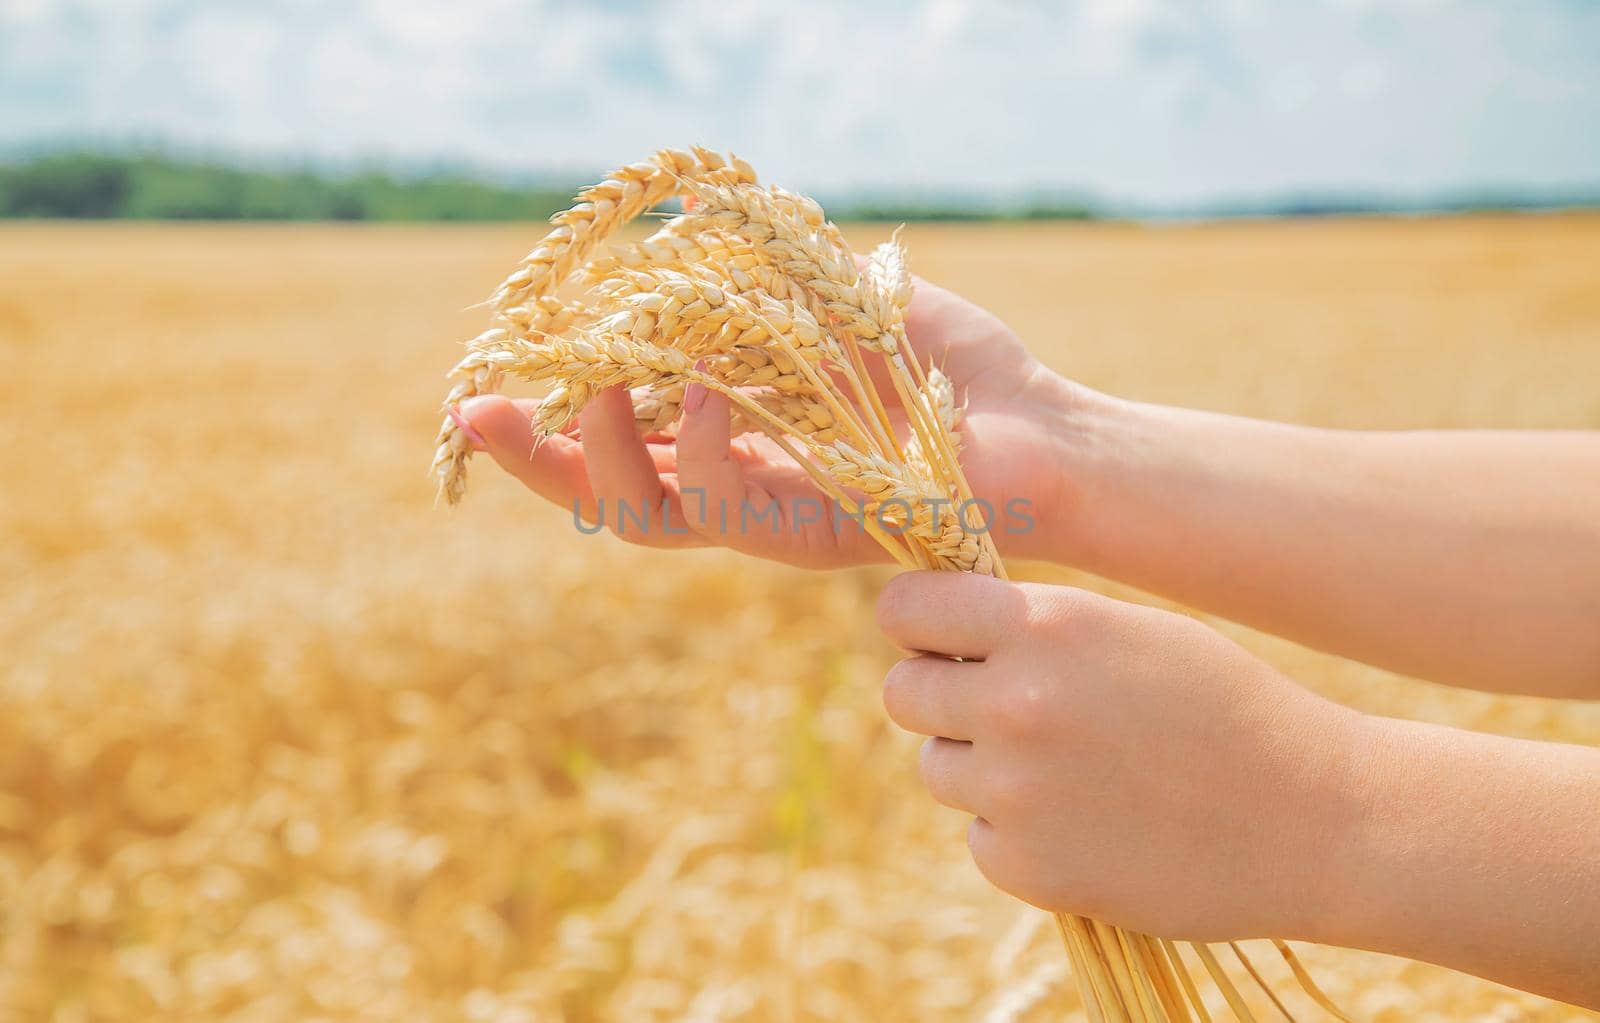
(755,294)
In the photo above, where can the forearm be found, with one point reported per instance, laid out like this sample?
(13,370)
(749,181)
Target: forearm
(1473,851)
(1471,557)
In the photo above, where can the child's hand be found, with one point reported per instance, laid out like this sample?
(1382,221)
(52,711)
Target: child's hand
(1013,430)
(1124,763)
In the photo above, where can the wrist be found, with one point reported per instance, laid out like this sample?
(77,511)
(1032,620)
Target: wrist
(1338,905)
(1079,430)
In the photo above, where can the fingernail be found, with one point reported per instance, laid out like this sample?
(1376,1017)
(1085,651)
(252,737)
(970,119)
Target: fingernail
(473,436)
(694,395)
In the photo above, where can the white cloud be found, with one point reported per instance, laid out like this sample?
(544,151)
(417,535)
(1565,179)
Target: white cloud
(1143,99)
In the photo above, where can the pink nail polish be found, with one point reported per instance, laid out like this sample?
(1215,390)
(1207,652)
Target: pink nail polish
(694,395)
(473,436)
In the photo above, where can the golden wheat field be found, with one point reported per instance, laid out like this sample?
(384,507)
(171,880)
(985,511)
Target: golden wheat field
(280,740)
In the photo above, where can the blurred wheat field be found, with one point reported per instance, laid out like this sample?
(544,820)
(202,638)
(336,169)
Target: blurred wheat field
(280,740)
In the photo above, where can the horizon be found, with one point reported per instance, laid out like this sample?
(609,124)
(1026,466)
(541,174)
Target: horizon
(514,193)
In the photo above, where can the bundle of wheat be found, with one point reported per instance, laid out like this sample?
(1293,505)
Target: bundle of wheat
(753,293)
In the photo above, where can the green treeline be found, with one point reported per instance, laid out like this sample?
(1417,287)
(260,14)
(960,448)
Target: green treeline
(906,212)
(163,187)
(157,187)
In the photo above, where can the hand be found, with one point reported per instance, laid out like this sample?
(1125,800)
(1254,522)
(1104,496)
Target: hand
(1010,436)
(1123,762)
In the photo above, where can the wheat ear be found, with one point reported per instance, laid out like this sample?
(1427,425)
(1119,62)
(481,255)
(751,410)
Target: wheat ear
(520,300)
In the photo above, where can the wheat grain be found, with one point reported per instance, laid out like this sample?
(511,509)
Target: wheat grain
(788,230)
(810,417)
(603,208)
(656,408)
(685,310)
(586,366)
(938,396)
(888,270)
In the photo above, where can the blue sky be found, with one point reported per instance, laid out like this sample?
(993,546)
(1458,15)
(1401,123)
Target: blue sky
(1139,100)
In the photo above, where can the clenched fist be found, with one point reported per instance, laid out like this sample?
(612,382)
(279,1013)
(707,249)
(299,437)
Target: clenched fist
(1121,762)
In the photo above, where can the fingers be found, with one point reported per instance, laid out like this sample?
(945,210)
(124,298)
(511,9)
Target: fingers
(947,772)
(625,474)
(1002,857)
(949,613)
(554,470)
(621,471)
(989,854)
(710,480)
(933,696)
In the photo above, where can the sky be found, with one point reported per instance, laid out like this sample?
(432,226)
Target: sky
(1137,101)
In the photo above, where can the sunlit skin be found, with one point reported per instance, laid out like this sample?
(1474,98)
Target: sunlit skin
(1133,764)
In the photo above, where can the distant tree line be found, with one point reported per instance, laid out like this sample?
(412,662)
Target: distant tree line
(162,186)
(165,187)
(904,212)
(157,187)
